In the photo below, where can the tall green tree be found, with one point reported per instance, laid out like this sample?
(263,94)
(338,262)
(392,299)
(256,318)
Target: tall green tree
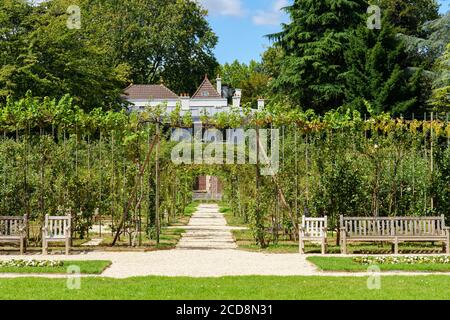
(14,25)
(408,16)
(168,40)
(50,59)
(314,43)
(119,42)
(379,77)
(440,99)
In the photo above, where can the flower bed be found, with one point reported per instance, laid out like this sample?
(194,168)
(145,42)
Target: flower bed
(31,263)
(402,260)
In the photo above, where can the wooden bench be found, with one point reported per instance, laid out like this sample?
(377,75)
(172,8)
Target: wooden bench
(56,229)
(14,230)
(394,230)
(313,230)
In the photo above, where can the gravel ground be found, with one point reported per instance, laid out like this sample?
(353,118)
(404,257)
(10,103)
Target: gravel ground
(206,250)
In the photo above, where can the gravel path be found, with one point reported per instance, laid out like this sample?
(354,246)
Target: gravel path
(207,249)
(207,230)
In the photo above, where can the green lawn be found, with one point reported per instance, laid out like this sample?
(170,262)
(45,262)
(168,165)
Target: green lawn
(229,288)
(347,264)
(86,267)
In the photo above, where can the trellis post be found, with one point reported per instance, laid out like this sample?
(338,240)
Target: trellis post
(157,218)
(431,154)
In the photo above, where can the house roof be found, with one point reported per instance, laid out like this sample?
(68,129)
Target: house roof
(206,91)
(144,92)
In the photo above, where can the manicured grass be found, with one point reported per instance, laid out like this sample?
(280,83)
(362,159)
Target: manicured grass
(229,288)
(347,264)
(86,267)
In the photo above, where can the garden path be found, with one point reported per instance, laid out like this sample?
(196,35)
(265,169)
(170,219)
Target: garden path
(207,230)
(207,249)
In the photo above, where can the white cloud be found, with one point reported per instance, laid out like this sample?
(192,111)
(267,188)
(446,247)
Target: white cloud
(272,16)
(223,7)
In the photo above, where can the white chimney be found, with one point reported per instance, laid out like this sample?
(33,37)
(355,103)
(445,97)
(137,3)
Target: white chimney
(185,102)
(219,85)
(261,104)
(237,98)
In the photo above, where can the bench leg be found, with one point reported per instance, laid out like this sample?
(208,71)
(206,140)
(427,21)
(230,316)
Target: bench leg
(324,246)
(301,244)
(21,246)
(44,247)
(396,246)
(447,251)
(67,246)
(344,244)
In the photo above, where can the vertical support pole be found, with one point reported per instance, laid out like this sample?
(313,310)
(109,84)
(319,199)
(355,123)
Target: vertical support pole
(113,183)
(431,154)
(257,168)
(296,171)
(413,171)
(257,183)
(100,184)
(426,156)
(157,218)
(307,168)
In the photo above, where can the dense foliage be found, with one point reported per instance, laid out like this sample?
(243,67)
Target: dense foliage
(253,79)
(119,42)
(330,58)
(84,155)
(56,157)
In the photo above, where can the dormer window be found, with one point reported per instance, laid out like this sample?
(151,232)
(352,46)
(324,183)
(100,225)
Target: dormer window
(205,94)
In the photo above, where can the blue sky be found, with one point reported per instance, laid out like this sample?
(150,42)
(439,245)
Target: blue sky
(242,24)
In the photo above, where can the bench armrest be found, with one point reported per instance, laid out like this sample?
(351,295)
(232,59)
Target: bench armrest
(23,230)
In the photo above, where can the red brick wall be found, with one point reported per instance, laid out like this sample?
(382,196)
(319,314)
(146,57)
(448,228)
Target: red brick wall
(201,183)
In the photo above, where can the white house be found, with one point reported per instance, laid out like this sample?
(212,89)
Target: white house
(207,98)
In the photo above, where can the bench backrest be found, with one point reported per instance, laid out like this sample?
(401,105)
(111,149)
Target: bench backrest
(394,226)
(314,226)
(12,226)
(57,226)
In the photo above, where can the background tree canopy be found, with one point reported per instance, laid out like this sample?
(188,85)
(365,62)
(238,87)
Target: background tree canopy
(323,59)
(330,58)
(139,41)
(251,78)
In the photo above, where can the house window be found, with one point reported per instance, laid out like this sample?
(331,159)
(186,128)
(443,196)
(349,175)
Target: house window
(205,94)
